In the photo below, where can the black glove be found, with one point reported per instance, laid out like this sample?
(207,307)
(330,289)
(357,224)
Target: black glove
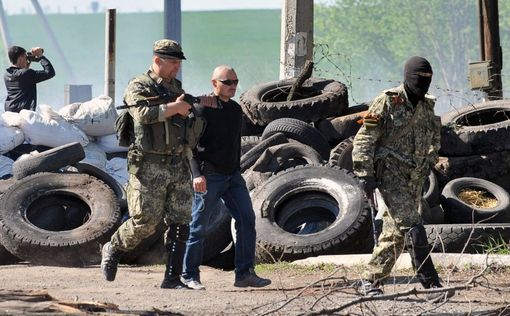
(369,185)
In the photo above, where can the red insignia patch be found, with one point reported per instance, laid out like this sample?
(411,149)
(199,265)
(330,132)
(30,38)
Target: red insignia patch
(397,100)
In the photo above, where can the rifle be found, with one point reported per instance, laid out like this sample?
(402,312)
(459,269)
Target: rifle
(373,212)
(176,120)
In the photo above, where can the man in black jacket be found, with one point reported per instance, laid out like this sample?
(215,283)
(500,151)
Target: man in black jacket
(20,80)
(216,177)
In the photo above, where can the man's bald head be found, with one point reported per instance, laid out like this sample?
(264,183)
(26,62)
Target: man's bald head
(221,71)
(224,81)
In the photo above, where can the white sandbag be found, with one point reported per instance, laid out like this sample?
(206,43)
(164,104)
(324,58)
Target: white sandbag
(48,128)
(110,144)
(69,110)
(5,166)
(117,168)
(10,137)
(12,119)
(95,117)
(95,156)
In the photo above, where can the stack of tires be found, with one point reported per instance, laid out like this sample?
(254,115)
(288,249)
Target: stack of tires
(57,210)
(303,205)
(52,217)
(475,157)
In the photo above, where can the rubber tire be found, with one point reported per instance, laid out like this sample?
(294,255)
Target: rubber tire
(248,142)
(48,160)
(489,167)
(110,181)
(340,128)
(300,131)
(249,158)
(322,98)
(77,247)
(341,155)
(431,215)
(451,238)
(431,192)
(218,234)
(6,184)
(278,158)
(476,129)
(458,211)
(7,258)
(345,235)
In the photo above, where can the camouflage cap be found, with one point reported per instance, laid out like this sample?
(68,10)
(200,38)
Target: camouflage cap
(166,48)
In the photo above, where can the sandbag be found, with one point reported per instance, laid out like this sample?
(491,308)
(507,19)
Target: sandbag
(95,155)
(117,168)
(110,144)
(46,127)
(95,117)
(5,166)
(10,137)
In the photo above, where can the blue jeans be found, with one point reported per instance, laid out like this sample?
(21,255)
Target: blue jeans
(232,190)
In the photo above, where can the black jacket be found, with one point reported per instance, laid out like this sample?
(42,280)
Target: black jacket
(21,85)
(219,148)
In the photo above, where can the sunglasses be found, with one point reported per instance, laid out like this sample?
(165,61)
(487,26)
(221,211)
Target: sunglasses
(229,82)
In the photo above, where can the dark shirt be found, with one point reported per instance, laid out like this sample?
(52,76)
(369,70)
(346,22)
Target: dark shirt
(21,85)
(219,148)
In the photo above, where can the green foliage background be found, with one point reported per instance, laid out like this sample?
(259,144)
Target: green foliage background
(368,42)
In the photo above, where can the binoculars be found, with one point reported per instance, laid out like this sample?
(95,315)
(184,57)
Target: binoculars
(31,57)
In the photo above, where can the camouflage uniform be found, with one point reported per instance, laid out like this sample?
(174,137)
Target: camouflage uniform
(159,184)
(400,163)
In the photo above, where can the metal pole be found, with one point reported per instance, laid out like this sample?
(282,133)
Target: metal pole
(6,35)
(296,37)
(53,38)
(172,20)
(109,62)
(491,46)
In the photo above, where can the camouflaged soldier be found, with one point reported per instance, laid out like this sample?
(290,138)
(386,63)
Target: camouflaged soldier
(394,151)
(159,187)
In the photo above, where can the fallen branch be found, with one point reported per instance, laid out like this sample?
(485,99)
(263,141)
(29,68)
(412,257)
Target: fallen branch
(385,297)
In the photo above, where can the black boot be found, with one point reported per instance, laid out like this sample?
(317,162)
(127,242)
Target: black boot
(420,250)
(176,237)
(109,261)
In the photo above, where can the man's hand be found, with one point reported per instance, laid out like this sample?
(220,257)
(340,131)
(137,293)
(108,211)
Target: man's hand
(200,184)
(209,101)
(179,106)
(369,185)
(37,52)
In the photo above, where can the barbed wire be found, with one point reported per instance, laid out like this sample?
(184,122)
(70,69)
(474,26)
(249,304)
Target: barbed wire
(326,65)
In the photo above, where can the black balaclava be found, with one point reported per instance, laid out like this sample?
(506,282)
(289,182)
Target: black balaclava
(415,83)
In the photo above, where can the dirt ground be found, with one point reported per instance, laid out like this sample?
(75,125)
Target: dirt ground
(294,291)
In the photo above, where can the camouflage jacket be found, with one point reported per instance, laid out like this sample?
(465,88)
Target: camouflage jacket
(149,121)
(412,152)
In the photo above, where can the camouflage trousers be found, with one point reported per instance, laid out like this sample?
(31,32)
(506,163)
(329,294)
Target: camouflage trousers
(403,198)
(157,191)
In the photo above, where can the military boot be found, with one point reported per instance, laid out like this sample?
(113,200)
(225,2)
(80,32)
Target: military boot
(419,249)
(109,261)
(176,238)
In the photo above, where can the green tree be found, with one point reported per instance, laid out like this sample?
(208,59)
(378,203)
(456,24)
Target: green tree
(379,35)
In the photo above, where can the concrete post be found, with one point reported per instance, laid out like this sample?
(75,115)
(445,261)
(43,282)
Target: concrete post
(296,37)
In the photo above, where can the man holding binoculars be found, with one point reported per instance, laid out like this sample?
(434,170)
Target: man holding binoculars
(20,80)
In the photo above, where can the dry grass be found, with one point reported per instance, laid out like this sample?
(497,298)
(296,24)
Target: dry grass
(478,198)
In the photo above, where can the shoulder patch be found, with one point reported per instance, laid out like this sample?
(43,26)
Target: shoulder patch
(397,100)
(370,120)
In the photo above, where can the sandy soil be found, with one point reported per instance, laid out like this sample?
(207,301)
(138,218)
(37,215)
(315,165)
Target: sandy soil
(136,290)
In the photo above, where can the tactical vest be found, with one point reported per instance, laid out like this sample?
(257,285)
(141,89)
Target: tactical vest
(171,137)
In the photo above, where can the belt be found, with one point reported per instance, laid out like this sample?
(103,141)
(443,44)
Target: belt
(170,159)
